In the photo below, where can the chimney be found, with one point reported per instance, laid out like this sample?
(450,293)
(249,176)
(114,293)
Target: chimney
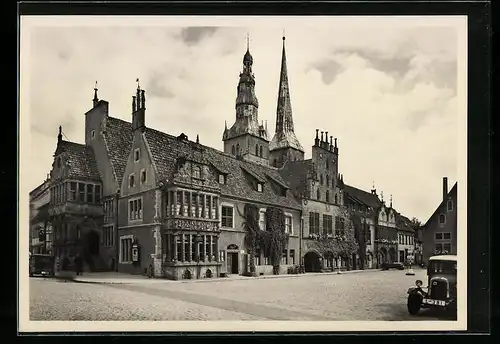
(139,110)
(445,187)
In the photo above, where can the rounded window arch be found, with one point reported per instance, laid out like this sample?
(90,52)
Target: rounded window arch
(320,179)
(327,180)
(261,151)
(318,194)
(257,150)
(233,151)
(327,196)
(442,219)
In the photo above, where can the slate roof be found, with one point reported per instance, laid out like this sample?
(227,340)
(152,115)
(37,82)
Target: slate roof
(403,223)
(166,149)
(80,160)
(363,197)
(295,174)
(118,139)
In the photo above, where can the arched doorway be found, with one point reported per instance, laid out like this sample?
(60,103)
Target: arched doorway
(381,256)
(92,243)
(311,262)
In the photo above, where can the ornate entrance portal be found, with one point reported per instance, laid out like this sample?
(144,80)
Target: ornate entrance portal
(92,243)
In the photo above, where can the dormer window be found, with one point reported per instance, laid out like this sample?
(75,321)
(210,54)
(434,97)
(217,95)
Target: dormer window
(92,134)
(137,155)
(222,179)
(259,187)
(197,172)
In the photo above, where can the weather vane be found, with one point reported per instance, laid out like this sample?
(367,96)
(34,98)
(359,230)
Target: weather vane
(95,87)
(138,85)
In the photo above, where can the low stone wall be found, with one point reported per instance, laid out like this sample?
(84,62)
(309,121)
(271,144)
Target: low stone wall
(191,271)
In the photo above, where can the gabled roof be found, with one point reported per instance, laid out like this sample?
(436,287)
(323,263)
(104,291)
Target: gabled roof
(166,149)
(80,160)
(403,223)
(451,193)
(118,139)
(364,197)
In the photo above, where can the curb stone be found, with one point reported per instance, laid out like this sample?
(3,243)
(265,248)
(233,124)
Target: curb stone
(229,279)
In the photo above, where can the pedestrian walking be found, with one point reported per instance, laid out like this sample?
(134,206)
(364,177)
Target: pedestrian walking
(78,265)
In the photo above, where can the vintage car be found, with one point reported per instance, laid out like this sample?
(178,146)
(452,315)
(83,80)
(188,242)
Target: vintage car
(394,265)
(441,291)
(41,264)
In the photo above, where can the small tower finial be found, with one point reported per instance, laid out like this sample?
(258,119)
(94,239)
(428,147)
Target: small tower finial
(382,196)
(95,100)
(138,85)
(248,41)
(317,131)
(59,136)
(391,201)
(197,139)
(322,136)
(335,143)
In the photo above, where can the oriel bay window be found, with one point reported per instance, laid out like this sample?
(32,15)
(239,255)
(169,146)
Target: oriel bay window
(76,191)
(192,204)
(191,247)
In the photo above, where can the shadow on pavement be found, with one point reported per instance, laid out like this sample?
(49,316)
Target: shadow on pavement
(399,312)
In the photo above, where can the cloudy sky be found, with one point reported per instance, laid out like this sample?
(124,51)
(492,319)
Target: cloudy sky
(387,89)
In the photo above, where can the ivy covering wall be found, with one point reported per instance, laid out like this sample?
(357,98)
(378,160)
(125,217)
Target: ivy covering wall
(272,241)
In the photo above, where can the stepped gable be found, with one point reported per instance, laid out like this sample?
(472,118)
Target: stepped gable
(80,160)
(118,138)
(166,149)
(296,173)
(364,197)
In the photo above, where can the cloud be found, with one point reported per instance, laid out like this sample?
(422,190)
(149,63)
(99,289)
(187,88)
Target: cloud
(193,35)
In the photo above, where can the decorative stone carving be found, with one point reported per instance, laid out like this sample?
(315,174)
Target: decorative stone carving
(157,217)
(192,224)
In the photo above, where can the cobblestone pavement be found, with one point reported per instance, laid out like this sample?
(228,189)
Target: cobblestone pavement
(373,295)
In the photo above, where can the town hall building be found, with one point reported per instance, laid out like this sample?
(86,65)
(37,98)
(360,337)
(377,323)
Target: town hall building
(131,197)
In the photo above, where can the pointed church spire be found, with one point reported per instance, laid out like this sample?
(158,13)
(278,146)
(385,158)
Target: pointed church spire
(284,133)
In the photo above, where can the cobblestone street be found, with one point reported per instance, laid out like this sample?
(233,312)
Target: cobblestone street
(369,295)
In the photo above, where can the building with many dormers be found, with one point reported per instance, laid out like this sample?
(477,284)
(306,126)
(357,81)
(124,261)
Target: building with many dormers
(131,197)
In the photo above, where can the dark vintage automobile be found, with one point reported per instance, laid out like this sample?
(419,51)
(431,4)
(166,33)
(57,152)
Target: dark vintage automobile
(395,265)
(441,291)
(41,264)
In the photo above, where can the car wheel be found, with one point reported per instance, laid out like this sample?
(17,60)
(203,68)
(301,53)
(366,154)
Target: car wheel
(414,303)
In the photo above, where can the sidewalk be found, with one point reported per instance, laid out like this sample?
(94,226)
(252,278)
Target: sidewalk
(121,278)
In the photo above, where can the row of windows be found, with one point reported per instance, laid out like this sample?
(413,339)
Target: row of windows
(108,235)
(235,150)
(135,209)
(288,222)
(443,248)
(326,180)
(443,236)
(185,248)
(405,239)
(75,191)
(262,259)
(131,178)
(314,224)
(192,204)
(327,196)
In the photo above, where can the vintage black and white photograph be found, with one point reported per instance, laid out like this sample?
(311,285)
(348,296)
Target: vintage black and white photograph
(243,173)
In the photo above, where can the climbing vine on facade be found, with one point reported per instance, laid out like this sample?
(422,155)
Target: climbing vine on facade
(272,241)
